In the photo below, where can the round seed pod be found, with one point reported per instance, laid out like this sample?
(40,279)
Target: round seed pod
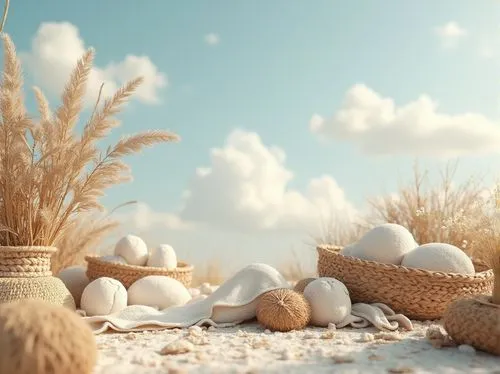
(283,310)
(301,284)
(37,337)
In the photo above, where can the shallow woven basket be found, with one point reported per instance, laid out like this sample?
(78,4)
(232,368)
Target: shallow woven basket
(475,322)
(418,294)
(128,274)
(25,274)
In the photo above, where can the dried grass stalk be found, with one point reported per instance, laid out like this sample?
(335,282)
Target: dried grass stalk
(48,173)
(442,213)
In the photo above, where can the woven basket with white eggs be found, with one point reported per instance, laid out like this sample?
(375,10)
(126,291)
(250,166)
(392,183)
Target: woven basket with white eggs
(132,260)
(387,266)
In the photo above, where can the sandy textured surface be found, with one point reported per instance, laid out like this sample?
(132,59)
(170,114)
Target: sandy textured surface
(249,348)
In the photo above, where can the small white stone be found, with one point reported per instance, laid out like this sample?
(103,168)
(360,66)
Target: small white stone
(195,331)
(195,292)
(331,326)
(205,289)
(468,349)
(287,354)
(367,337)
(267,331)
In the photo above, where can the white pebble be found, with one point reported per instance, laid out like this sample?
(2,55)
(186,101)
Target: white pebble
(195,331)
(468,349)
(205,289)
(331,326)
(367,337)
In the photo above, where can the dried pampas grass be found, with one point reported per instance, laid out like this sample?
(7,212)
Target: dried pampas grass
(283,310)
(42,338)
(48,173)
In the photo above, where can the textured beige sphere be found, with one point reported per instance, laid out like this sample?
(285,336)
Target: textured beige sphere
(37,337)
(283,310)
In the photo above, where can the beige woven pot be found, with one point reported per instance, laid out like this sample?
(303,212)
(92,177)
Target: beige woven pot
(476,322)
(418,294)
(128,274)
(25,274)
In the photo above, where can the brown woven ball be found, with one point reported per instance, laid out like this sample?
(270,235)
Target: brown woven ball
(476,322)
(37,337)
(302,284)
(283,310)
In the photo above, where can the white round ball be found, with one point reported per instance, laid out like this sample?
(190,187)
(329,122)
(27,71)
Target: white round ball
(133,250)
(329,300)
(113,259)
(103,296)
(349,250)
(75,279)
(163,256)
(158,291)
(387,244)
(439,257)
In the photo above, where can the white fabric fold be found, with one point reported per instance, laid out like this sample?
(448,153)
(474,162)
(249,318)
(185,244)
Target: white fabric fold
(233,302)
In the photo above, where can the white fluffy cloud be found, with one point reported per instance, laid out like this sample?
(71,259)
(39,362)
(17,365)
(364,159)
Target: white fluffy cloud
(212,39)
(142,217)
(247,187)
(450,34)
(378,126)
(55,50)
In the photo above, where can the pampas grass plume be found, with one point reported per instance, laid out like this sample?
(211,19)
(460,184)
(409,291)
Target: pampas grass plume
(283,310)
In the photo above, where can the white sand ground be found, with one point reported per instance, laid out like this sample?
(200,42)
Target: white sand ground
(249,348)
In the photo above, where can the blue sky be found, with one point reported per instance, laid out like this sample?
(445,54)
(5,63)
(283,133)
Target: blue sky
(277,64)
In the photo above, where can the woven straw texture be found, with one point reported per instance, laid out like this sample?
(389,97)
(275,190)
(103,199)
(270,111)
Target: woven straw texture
(128,274)
(418,294)
(474,322)
(50,289)
(25,261)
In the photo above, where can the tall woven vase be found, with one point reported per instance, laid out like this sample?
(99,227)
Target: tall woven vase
(25,274)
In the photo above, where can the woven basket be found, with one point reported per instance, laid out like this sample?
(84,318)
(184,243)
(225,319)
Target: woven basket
(25,274)
(475,322)
(128,274)
(418,294)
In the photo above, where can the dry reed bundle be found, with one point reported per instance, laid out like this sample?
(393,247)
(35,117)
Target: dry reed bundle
(48,173)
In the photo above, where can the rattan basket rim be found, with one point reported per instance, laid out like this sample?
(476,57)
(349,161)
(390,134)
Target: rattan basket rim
(26,248)
(478,277)
(182,267)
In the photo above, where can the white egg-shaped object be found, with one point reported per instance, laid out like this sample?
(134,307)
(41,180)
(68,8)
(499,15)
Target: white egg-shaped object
(329,300)
(387,244)
(158,291)
(439,257)
(163,256)
(349,250)
(133,249)
(75,279)
(103,296)
(113,259)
